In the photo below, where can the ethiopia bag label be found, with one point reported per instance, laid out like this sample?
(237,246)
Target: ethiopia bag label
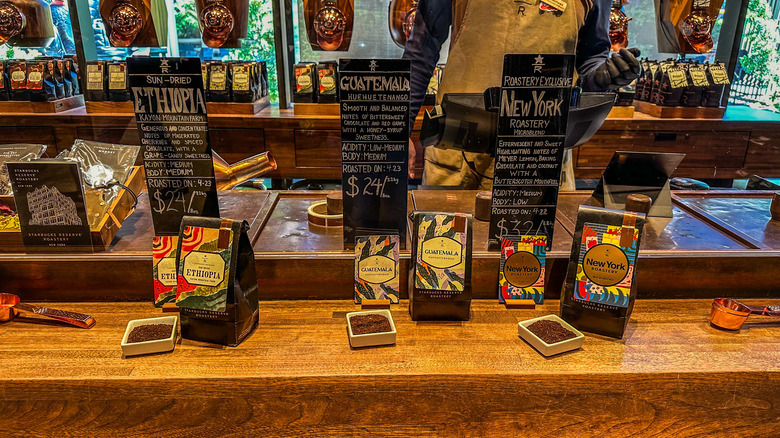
(521,269)
(164,262)
(203,269)
(376,268)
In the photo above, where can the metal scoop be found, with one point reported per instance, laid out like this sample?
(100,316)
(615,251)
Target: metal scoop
(10,307)
(731,314)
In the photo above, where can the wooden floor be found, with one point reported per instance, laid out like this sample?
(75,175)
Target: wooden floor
(672,375)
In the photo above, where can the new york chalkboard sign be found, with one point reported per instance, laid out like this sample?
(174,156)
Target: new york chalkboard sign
(374,96)
(533,112)
(50,203)
(170,111)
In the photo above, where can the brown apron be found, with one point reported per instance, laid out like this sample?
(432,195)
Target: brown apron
(489,30)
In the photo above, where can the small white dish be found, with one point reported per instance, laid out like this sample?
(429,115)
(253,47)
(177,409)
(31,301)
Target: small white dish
(371,339)
(148,347)
(550,349)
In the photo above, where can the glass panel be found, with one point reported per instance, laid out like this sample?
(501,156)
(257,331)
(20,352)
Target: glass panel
(186,41)
(757,75)
(370,35)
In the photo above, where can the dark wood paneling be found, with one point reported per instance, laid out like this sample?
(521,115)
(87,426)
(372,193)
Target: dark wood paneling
(763,153)
(317,148)
(30,134)
(702,149)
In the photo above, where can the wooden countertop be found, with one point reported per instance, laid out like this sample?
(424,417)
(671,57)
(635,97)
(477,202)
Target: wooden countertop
(672,374)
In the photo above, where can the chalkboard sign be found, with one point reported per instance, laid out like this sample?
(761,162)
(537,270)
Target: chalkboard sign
(533,111)
(170,109)
(50,203)
(374,96)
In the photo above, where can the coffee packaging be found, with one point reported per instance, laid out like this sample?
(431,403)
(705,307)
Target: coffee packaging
(673,83)
(600,289)
(16,152)
(17,72)
(4,82)
(164,268)
(35,81)
(73,68)
(305,82)
(263,72)
(97,82)
(118,91)
(204,70)
(327,81)
(216,288)
(440,266)
(697,82)
(376,268)
(521,268)
(718,79)
(53,86)
(219,82)
(63,70)
(242,82)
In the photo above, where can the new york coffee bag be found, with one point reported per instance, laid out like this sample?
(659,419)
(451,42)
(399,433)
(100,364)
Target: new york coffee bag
(600,289)
(440,267)
(216,287)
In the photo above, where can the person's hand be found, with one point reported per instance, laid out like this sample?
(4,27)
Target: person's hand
(415,159)
(619,70)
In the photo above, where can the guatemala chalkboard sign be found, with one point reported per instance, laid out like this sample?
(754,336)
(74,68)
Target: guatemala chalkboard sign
(170,109)
(374,96)
(533,112)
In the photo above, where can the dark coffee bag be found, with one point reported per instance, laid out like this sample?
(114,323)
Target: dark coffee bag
(219,82)
(327,82)
(600,289)
(673,83)
(440,267)
(63,70)
(216,289)
(717,76)
(4,82)
(118,90)
(242,82)
(17,72)
(305,83)
(97,82)
(35,81)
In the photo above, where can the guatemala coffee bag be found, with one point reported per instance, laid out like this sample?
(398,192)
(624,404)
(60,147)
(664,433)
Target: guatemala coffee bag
(600,288)
(440,267)
(216,289)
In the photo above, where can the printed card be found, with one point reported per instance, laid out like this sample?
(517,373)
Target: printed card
(376,268)
(204,268)
(521,270)
(606,264)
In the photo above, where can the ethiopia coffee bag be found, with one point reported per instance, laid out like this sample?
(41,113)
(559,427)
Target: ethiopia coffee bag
(600,289)
(440,267)
(216,289)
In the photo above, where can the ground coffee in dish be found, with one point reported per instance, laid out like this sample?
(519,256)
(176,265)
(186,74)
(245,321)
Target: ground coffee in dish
(551,332)
(149,332)
(365,324)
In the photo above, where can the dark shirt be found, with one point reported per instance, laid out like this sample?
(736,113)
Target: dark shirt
(432,27)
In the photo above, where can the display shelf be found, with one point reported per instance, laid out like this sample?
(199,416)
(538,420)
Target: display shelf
(212,108)
(679,112)
(296,375)
(49,107)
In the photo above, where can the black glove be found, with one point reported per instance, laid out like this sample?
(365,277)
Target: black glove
(619,70)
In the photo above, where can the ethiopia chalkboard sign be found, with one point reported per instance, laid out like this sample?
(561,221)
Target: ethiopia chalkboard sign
(533,111)
(374,95)
(170,109)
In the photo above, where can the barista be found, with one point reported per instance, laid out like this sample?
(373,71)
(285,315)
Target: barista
(482,32)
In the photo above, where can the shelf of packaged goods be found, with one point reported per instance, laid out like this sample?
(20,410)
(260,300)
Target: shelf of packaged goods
(296,375)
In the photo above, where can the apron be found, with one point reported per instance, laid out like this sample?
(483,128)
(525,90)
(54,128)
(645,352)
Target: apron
(489,30)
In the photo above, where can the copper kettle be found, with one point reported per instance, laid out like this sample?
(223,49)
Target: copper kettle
(26,23)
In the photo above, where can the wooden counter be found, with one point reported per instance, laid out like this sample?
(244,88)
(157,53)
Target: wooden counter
(672,375)
(743,143)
